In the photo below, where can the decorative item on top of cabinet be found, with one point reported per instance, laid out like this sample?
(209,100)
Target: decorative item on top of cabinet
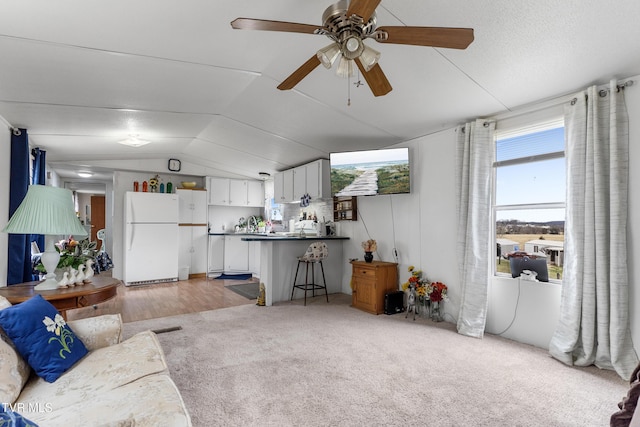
(370,282)
(345,208)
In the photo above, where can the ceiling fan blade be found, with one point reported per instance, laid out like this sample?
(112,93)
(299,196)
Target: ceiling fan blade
(453,38)
(300,73)
(362,8)
(266,25)
(375,78)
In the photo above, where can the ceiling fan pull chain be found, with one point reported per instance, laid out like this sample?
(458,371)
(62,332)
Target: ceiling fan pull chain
(349,91)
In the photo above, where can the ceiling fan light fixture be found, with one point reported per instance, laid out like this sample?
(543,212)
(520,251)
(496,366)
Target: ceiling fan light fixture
(345,67)
(369,58)
(328,54)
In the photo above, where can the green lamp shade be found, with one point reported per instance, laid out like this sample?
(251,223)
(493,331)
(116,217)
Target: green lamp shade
(46,210)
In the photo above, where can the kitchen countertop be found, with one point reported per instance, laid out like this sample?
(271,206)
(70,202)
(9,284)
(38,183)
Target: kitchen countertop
(276,237)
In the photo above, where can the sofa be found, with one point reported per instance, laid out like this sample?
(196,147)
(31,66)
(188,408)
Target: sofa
(114,383)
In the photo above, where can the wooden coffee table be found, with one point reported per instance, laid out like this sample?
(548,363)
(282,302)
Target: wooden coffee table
(99,290)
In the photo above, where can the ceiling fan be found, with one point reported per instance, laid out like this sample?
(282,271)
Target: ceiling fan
(348,23)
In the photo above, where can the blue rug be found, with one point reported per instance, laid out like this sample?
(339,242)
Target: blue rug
(235,276)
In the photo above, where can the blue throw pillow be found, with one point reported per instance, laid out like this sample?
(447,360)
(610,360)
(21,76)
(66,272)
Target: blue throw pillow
(13,419)
(42,337)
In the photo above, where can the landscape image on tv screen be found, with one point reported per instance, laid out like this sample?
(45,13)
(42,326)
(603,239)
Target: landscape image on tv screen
(369,173)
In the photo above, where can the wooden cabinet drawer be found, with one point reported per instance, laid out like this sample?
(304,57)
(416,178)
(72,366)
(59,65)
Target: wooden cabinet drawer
(363,273)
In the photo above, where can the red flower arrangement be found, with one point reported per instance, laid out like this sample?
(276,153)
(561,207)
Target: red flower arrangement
(437,291)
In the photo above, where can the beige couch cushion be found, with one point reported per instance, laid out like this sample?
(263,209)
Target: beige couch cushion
(99,372)
(14,370)
(98,332)
(150,401)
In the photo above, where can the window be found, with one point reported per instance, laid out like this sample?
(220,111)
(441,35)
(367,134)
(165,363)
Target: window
(529,198)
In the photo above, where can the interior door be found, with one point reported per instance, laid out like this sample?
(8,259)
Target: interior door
(97,217)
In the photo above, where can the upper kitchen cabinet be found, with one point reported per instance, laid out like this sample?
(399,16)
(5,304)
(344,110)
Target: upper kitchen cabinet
(192,206)
(235,192)
(218,190)
(283,186)
(313,179)
(255,193)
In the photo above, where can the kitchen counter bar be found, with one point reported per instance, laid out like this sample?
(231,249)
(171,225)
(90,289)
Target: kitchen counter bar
(279,259)
(252,237)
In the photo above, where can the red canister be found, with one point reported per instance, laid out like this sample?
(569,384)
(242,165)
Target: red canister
(145,186)
(135,186)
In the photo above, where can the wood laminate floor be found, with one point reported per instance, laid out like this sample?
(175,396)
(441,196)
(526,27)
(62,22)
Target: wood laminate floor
(166,299)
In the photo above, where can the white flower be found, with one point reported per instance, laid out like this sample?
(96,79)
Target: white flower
(54,325)
(51,326)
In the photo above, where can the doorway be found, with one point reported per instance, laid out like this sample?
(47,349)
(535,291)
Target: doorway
(97,217)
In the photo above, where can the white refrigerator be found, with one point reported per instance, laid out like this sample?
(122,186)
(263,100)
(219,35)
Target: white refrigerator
(151,238)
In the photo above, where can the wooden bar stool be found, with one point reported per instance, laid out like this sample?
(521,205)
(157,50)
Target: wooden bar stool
(316,252)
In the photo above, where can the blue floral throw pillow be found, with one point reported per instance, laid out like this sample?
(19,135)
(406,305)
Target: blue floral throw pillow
(42,337)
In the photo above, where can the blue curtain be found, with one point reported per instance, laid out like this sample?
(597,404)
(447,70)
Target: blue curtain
(19,247)
(39,177)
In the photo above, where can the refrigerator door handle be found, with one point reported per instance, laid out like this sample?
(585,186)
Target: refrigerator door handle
(130,234)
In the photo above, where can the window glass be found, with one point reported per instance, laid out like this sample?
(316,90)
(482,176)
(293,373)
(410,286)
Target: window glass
(530,144)
(531,182)
(529,209)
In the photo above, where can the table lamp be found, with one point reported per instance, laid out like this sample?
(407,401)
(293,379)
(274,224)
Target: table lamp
(46,210)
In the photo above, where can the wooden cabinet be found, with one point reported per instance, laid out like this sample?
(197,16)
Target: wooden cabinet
(370,282)
(345,209)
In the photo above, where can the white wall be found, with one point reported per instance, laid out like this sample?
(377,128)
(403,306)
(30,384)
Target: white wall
(5,161)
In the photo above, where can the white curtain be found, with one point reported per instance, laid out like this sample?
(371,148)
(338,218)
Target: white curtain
(474,163)
(594,314)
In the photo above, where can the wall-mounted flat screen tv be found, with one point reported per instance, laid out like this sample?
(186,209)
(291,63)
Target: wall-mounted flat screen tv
(370,172)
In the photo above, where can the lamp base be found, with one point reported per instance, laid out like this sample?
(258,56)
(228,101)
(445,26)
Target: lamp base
(48,284)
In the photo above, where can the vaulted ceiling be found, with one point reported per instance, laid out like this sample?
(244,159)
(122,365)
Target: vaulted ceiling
(81,75)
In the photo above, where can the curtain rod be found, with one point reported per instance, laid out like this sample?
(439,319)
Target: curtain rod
(10,126)
(550,103)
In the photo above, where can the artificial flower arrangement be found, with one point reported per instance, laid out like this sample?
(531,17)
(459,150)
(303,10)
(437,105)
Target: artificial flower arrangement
(416,281)
(435,291)
(73,253)
(370,245)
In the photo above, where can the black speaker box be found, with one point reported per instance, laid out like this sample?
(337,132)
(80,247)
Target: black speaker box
(394,302)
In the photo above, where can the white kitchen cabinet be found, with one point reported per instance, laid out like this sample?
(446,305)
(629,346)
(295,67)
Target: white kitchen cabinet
(218,190)
(254,258)
(216,253)
(313,179)
(283,186)
(255,193)
(318,176)
(236,254)
(192,251)
(299,182)
(192,206)
(235,192)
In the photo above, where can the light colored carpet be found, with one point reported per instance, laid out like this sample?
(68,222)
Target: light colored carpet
(333,365)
